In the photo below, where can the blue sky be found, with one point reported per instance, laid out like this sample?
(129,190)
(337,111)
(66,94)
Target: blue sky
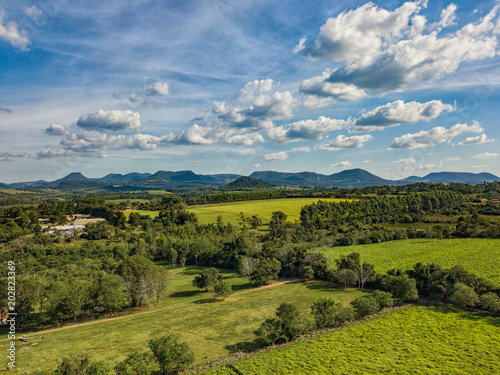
(232,86)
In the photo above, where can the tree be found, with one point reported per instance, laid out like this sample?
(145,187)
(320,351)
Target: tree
(366,305)
(255,222)
(136,363)
(464,295)
(287,325)
(206,278)
(267,270)
(137,271)
(490,302)
(277,224)
(324,311)
(223,289)
(347,277)
(247,267)
(160,281)
(402,287)
(81,365)
(307,272)
(171,355)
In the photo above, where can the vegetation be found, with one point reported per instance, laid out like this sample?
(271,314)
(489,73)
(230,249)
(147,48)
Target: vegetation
(409,341)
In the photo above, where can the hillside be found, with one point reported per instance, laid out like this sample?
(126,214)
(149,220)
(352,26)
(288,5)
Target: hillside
(247,183)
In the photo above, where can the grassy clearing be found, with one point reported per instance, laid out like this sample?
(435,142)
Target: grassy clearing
(263,208)
(212,329)
(418,340)
(153,214)
(477,255)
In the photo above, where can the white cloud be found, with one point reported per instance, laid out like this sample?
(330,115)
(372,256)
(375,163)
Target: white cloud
(51,153)
(197,134)
(448,16)
(299,47)
(305,130)
(399,112)
(10,33)
(33,12)
(114,120)
(362,32)
(428,167)
(367,161)
(301,149)
(256,166)
(405,161)
(341,164)
(281,155)
(313,102)
(476,140)
(7,155)
(391,56)
(319,86)
(56,129)
(157,89)
(478,166)
(342,141)
(434,136)
(454,158)
(486,155)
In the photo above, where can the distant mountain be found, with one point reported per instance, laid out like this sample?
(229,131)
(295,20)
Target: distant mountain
(352,178)
(346,179)
(114,178)
(460,177)
(247,183)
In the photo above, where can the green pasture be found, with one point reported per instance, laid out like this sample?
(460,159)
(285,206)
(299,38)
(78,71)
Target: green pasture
(153,214)
(417,340)
(480,256)
(212,328)
(230,211)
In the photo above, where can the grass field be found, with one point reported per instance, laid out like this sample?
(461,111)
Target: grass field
(211,329)
(477,255)
(263,208)
(153,214)
(417,340)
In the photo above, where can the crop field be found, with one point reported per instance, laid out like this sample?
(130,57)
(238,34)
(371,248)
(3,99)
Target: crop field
(417,340)
(211,328)
(477,255)
(230,212)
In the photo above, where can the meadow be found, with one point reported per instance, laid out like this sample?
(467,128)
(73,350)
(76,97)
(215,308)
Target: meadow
(212,328)
(416,340)
(480,256)
(230,212)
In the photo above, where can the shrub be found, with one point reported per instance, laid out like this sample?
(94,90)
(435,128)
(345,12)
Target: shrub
(490,302)
(384,299)
(464,295)
(171,355)
(366,305)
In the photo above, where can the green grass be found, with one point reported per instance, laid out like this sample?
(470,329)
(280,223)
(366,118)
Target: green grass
(263,208)
(211,329)
(477,255)
(417,340)
(153,214)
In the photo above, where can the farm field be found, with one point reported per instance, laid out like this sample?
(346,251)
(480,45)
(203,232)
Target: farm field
(477,255)
(230,211)
(211,329)
(417,340)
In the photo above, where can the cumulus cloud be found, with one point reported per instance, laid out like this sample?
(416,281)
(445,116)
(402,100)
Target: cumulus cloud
(281,155)
(382,52)
(197,134)
(256,166)
(301,149)
(114,120)
(342,141)
(56,129)
(157,89)
(362,32)
(10,33)
(399,112)
(313,102)
(320,86)
(434,136)
(486,155)
(476,140)
(305,130)
(341,164)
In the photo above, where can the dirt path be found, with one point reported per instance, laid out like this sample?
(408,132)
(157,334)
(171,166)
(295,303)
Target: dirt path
(41,333)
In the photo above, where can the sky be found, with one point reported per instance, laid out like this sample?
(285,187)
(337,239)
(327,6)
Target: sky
(232,86)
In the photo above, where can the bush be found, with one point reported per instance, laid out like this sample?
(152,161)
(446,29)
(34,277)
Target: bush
(223,289)
(136,363)
(464,295)
(384,299)
(366,305)
(81,365)
(287,325)
(401,287)
(490,302)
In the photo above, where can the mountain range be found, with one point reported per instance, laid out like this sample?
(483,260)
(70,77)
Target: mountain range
(352,178)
